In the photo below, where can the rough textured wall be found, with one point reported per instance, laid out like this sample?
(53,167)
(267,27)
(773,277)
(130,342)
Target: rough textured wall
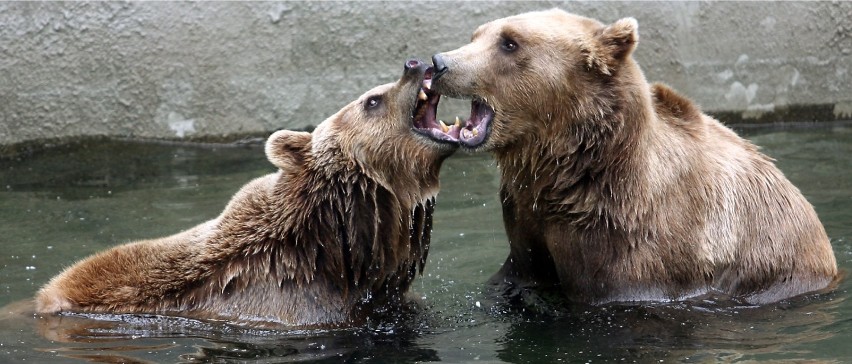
(202,70)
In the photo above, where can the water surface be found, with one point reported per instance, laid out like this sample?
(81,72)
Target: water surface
(63,204)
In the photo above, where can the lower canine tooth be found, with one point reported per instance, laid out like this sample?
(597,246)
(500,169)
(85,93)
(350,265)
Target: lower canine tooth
(458,122)
(444,127)
(421,95)
(475,132)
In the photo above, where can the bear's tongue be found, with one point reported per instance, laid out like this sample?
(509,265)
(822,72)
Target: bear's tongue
(476,128)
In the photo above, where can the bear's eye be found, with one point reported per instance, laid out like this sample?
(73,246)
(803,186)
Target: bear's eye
(372,102)
(508,45)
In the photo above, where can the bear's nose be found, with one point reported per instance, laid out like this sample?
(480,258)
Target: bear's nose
(412,63)
(439,67)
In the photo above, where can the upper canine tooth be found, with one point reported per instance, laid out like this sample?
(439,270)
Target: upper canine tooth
(444,127)
(458,121)
(427,84)
(422,95)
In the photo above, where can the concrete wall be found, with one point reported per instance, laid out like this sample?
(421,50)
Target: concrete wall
(210,70)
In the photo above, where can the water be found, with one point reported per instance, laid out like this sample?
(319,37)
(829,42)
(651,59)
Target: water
(63,204)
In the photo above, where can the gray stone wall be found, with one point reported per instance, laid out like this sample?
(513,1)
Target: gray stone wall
(225,70)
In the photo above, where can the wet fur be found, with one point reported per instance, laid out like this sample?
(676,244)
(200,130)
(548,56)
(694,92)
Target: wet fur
(614,189)
(333,237)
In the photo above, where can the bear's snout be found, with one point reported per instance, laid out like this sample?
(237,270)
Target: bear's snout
(412,63)
(415,67)
(439,67)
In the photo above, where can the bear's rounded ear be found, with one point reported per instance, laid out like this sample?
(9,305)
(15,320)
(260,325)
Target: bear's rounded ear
(614,43)
(287,149)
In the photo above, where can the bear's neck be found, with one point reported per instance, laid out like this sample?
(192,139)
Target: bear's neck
(350,231)
(582,168)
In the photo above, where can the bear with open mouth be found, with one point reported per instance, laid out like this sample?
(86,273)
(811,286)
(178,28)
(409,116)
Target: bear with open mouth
(337,234)
(614,189)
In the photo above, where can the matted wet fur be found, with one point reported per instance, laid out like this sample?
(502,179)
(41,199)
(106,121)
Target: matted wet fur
(615,189)
(337,234)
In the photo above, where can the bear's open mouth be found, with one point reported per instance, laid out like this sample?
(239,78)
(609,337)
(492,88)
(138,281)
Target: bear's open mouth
(478,126)
(424,116)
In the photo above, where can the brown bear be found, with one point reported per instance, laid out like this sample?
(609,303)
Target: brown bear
(339,232)
(617,190)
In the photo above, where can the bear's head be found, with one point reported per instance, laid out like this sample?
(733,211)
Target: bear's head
(389,133)
(529,73)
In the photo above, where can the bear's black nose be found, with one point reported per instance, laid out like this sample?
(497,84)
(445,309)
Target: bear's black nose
(439,67)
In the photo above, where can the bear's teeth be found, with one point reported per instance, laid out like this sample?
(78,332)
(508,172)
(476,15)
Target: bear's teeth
(427,84)
(458,121)
(444,127)
(422,95)
(475,132)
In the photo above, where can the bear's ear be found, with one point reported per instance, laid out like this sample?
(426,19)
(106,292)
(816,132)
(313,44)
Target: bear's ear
(614,44)
(287,149)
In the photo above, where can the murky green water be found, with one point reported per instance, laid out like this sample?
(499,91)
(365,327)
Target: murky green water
(62,205)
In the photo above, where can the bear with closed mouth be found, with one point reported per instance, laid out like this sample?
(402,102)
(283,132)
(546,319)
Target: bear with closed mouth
(339,232)
(615,189)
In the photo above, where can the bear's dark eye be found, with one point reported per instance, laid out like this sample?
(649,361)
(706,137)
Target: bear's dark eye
(372,102)
(508,45)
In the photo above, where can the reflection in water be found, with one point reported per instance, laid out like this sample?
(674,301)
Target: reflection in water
(116,338)
(62,205)
(702,332)
(107,355)
(356,347)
